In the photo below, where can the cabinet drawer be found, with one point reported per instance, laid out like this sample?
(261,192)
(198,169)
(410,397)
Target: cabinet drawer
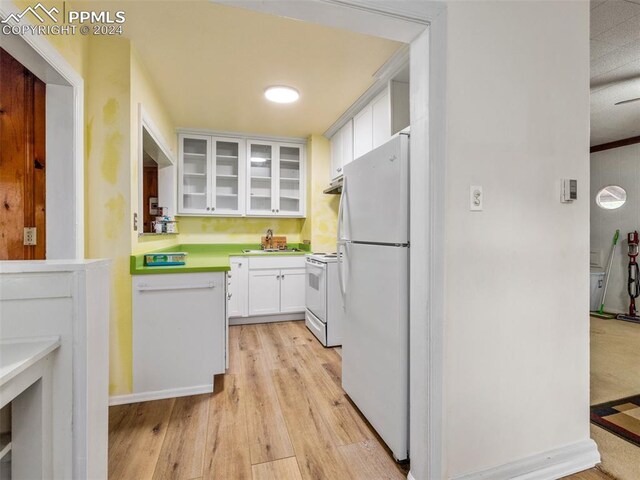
(276,262)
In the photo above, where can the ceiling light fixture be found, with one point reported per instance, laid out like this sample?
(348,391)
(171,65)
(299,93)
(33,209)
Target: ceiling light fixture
(281,94)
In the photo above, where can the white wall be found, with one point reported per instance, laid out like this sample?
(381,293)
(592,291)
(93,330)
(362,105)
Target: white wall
(516,335)
(618,166)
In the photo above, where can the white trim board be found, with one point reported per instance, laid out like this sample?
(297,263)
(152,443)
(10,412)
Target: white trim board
(159,395)
(66,141)
(241,135)
(280,317)
(392,19)
(550,465)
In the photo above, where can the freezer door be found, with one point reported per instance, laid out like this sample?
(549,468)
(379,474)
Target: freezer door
(375,195)
(375,346)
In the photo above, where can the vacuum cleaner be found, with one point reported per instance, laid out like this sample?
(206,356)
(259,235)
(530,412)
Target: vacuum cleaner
(600,313)
(633,280)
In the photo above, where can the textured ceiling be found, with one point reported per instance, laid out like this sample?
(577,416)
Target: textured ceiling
(211,64)
(615,69)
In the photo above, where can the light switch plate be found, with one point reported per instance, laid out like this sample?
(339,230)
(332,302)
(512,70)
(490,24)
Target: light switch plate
(476,198)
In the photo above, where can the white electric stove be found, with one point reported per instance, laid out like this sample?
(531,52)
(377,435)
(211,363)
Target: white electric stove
(325,310)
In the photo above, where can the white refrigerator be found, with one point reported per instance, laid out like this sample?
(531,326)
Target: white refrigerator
(373,253)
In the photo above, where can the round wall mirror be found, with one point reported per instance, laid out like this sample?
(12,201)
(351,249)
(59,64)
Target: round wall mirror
(611,197)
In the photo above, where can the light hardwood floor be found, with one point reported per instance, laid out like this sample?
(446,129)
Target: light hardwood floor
(615,357)
(278,414)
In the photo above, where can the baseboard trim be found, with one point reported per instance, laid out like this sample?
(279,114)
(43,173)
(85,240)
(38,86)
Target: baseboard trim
(280,317)
(549,465)
(159,395)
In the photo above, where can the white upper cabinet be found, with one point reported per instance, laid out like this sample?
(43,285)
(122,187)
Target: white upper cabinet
(372,126)
(194,192)
(276,180)
(363,132)
(341,149)
(261,178)
(290,180)
(238,176)
(381,118)
(211,175)
(228,174)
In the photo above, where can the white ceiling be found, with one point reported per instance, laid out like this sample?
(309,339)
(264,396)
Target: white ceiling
(615,69)
(211,64)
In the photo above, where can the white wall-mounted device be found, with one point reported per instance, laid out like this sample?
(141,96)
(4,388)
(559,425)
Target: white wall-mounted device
(569,190)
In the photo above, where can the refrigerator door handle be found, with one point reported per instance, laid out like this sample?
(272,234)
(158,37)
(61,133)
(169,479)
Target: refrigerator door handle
(341,282)
(343,199)
(341,241)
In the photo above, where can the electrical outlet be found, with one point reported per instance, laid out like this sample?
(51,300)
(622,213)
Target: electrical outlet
(29,236)
(476,198)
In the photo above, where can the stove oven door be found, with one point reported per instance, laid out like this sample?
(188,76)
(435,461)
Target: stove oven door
(316,289)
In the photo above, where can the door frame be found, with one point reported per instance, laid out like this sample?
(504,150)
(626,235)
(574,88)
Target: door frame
(65,137)
(422,24)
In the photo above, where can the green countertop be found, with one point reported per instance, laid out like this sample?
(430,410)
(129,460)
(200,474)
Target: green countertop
(207,257)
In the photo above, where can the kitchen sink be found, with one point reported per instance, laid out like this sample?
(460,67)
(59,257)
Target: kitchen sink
(272,250)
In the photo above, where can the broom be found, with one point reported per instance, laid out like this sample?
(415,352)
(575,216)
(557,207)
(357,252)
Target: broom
(601,313)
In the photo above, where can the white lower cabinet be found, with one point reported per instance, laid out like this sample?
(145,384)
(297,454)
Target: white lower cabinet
(264,292)
(238,287)
(292,290)
(265,286)
(179,333)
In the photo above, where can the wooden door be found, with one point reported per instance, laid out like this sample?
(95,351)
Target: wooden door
(149,191)
(22,160)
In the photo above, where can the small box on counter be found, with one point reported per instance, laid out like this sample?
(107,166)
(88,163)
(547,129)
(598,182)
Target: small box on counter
(165,259)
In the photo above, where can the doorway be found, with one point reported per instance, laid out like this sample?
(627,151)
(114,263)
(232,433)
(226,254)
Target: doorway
(22,162)
(62,131)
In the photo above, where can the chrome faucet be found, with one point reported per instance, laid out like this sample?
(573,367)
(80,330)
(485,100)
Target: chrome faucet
(269,239)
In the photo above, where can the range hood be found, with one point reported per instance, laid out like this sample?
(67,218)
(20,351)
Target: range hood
(335,187)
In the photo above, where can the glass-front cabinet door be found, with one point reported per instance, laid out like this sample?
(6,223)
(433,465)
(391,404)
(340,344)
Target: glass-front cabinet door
(194,195)
(261,178)
(235,176)
(228,176)
(290,178)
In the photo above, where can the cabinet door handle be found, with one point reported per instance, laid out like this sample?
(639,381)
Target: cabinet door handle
(339,169)
(146,288)
(208,208)
(277,210)
(281,276)
(229,296)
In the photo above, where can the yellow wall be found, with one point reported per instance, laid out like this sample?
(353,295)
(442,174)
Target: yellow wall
(74,48)
(322,209)
(237,230)
(144,92)
(108,177)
